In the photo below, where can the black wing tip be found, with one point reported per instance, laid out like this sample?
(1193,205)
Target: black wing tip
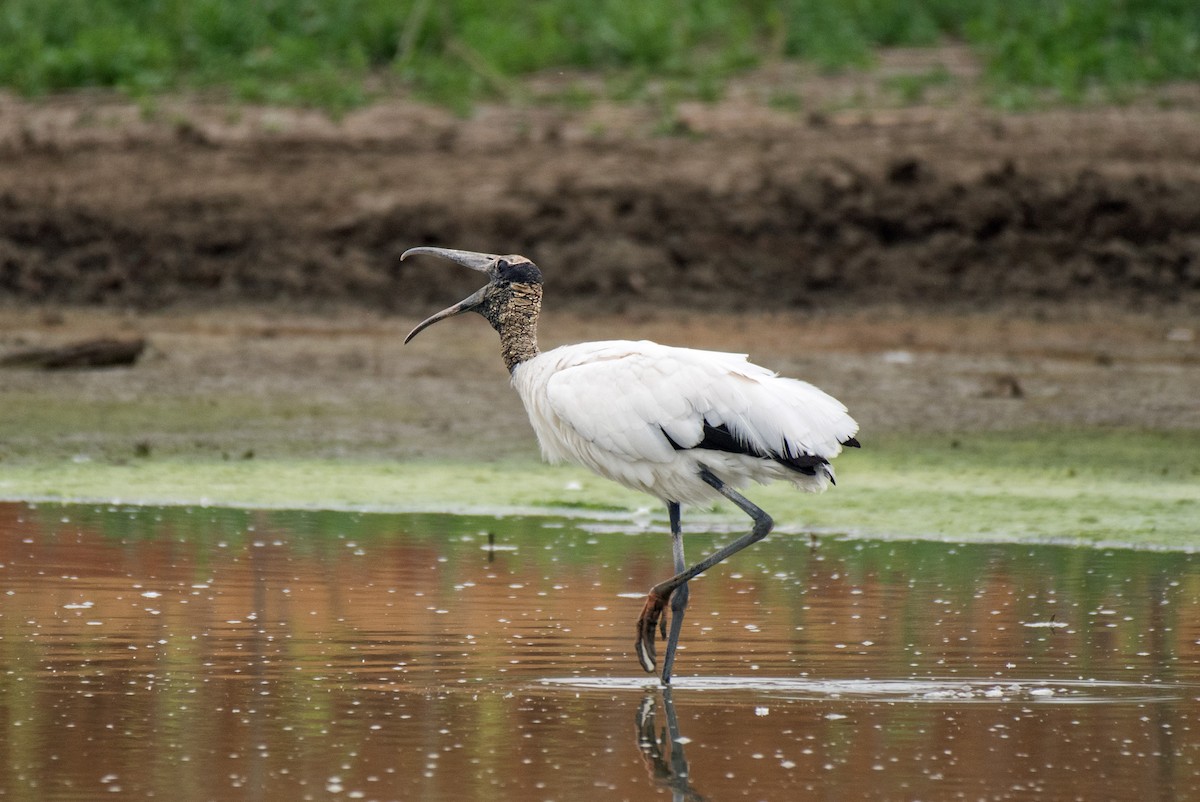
(719,438)
(852,442)
(806,464)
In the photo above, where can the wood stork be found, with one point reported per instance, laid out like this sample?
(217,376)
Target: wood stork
(680,424)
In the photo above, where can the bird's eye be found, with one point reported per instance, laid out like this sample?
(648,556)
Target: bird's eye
(502,264)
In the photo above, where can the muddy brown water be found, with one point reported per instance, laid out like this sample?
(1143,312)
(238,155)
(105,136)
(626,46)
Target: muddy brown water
(198,654)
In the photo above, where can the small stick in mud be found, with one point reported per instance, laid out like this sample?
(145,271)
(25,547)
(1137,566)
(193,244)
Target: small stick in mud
(99,353)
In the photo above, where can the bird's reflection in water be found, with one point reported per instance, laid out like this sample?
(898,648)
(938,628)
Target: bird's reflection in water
(662,747)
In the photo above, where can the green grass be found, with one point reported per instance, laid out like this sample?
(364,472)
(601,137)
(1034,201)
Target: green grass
(335,54)
(1087,486)
(912,87)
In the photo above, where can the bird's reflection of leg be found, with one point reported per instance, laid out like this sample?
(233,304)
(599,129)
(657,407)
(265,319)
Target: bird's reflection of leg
(662,748)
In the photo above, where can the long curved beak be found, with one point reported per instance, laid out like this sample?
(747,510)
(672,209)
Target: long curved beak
(483,262)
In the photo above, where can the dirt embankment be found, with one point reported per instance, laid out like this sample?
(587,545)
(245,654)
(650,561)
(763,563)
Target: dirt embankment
(739,209)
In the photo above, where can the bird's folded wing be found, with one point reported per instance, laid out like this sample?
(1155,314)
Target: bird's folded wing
(620,403)
(644,401)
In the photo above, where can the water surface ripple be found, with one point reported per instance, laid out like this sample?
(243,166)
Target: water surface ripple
(202,654)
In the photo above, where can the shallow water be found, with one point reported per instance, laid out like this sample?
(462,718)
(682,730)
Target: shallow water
(200,654)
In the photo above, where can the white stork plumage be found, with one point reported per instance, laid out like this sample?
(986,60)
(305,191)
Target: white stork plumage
(683,425)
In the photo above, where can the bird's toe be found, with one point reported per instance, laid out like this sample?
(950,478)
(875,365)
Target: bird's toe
(645,654)
(650,620)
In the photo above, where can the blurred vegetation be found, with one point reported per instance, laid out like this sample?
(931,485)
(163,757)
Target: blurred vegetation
(336,54)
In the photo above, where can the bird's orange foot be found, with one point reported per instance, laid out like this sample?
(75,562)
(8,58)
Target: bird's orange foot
(650,619)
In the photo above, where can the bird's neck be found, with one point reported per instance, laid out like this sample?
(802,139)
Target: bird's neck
(517,324)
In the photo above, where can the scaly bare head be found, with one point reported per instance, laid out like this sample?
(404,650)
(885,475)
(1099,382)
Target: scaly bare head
(502,272)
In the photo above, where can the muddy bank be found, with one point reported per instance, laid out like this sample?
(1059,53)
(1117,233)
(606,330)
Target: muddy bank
(731,213)
(228,384)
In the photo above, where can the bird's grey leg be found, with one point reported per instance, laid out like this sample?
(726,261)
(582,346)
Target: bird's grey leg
(679,598)
(645,642)
(656,600)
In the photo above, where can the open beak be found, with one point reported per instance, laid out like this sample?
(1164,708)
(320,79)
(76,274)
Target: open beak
(483,262)
(465,305)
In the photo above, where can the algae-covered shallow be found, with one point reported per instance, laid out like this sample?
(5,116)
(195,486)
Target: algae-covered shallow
(203,653)
(1088,486)
(1072,427)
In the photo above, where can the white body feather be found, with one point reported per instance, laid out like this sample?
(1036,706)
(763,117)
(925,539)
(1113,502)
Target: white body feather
(606,405)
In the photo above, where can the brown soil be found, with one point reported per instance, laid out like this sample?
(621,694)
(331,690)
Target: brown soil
(937,268)
(743,208)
